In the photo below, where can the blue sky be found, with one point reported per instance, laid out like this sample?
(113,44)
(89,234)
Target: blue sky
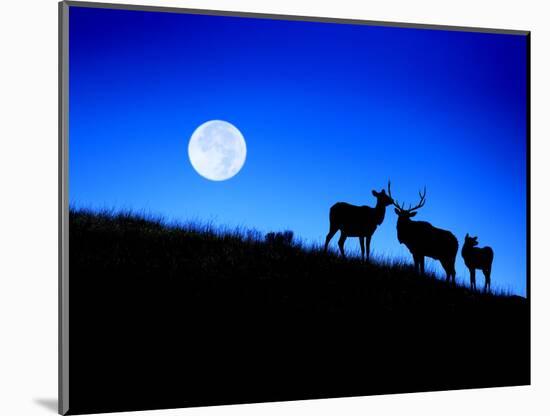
(329,112)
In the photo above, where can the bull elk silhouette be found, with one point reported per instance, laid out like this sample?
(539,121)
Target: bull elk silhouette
(477,258)
(424,240)
(357,221)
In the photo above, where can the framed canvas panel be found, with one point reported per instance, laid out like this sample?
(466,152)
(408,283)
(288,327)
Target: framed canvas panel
(259,208)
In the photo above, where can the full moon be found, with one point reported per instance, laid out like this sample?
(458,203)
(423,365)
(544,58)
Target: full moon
(217,150)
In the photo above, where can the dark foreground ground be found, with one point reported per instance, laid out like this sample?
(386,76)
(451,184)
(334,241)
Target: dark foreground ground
(172,317)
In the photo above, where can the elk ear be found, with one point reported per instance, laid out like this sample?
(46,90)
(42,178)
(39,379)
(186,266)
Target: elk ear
(412,214)
(375,193)
(467,236)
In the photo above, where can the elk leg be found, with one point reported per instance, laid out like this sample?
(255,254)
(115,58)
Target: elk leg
(487,274)
(368,247)
(330,234)
(448,271)
(362,244)
(421,265)
(341,242)
(416,263)
(473,279)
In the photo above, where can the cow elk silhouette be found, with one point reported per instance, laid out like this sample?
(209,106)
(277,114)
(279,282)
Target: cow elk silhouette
(477,258)
(424,240)
(357,221)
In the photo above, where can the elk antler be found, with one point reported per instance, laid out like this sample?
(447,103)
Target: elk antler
(395,201)
(422,196)
(402,206)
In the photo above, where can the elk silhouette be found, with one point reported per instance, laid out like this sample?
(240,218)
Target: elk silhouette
(477,258)
(424,240)
(357,221)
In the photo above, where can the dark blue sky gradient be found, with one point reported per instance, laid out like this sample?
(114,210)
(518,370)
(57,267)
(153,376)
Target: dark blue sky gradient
(329,112)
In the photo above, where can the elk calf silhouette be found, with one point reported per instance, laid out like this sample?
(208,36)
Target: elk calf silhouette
(357,221)
(477,258)
(424,240)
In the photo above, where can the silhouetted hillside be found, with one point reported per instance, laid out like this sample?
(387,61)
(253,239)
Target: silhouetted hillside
(232,317)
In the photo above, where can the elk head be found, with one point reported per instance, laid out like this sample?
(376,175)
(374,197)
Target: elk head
(470,241)
(382,198)
(410,211)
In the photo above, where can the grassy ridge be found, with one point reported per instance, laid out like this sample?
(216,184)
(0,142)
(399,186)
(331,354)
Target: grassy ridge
(181,315)
(137,246)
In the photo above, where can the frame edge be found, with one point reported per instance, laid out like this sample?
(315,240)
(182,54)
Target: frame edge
(323,19)
(63,229)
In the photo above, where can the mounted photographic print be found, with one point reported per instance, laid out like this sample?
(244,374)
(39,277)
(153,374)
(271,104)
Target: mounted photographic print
(259,208)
